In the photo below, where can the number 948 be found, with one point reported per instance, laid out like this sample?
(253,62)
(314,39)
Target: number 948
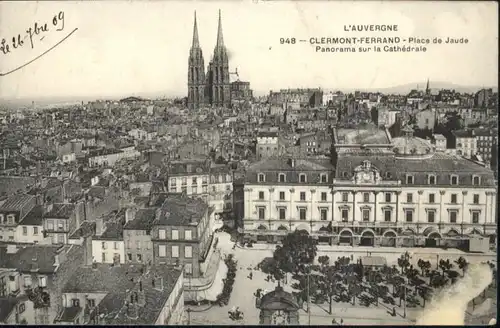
(287,41)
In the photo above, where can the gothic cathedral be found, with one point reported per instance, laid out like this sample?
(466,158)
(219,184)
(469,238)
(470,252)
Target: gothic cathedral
(214,87)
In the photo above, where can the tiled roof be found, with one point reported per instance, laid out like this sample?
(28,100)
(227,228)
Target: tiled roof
(43,258)
(275,165)
(68,314)
(60,211)
(16,202)
(143,220)
(34,217)
(440,164)
(7,304)
(190,167)
(179,209)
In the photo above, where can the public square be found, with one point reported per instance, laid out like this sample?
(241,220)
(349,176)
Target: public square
(244,288)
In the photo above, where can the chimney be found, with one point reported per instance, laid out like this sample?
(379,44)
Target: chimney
(291,162)
(132,311)
(87,250)
(99,226)
(130,214)
(141,296)
(158,283)
(48,207)
(56,260)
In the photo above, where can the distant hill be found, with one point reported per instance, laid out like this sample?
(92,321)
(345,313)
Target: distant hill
(406,88)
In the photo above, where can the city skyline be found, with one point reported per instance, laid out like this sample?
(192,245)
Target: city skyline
(147,54)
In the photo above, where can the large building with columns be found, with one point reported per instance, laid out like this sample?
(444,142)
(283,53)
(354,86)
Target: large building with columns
(391,192)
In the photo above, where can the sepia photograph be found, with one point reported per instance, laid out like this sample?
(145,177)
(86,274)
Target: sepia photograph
(248,162)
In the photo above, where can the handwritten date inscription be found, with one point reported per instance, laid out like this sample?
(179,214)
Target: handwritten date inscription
(37,31)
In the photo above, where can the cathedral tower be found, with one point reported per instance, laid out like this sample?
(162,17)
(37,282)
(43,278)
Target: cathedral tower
(196,72)
(219,92)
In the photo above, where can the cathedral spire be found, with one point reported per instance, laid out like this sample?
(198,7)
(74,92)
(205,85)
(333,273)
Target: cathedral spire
(220,38)
(427,90)
(196,41)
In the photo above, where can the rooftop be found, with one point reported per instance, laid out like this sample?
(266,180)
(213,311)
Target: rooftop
(178,209)
(363,136)
(143,220)
(60,211)
(16,202)
(34,217)
(281,164)
(26,259)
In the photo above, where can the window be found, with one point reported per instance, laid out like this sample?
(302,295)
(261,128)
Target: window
(302,196)
(366,197)
(431,215)
(453,199)
(261,177)
(188,252)
(27,281)
(188,234)
(91,302)
(431,198)
(345,197)
(366,215)
(204,189)
(453,216)
(409,179)
(11,219)
(129,256)
(173,182)
(103,257)
(302,214)
(262,213)
(409,198)
(261,195)
(409,216)
(282,177)
(139,257)
(25,231)
(475,199)
(454,180)
(138,244)
(324,214)
(184,181)
(175,234)
(60,239)
(188,267)
(282,212)
(195,181)
(75,302)
(323,196)
(476,180)
(162,234)
(431,179)
(302,178)
(50,225)
(387,215)
(184,190)
(162,250)
(388,197)
(345,215)
(194,189)
(175,251)
(21,308)
(475,216)
(282,195)
(324,178)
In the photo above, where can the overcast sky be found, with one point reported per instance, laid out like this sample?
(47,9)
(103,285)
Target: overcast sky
(141,47)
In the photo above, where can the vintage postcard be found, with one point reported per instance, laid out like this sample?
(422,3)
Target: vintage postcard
(248,162)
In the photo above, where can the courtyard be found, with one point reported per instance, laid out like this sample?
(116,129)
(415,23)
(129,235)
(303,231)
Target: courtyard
(242,295)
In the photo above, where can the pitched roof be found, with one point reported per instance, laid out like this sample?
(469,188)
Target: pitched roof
(34,217)
(178,209)
(16,202)
(32,257)
(143,220)
(60,211)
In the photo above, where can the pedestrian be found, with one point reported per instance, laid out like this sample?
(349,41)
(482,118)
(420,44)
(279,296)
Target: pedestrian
(341,321)
(251,275)
(334,322)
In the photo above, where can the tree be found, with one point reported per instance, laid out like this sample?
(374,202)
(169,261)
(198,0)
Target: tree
(445,265)
(404,262)
(298,250)
(324,260)
(330,279)
(462,264)
(353,286)
(424,266)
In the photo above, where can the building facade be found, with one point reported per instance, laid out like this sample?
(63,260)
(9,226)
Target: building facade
(406,196)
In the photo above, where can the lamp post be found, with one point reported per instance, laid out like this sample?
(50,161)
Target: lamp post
(404,296)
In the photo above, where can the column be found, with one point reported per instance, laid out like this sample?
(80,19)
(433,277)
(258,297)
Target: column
(442,193)
(375,209)
(464,193)
(292,204)
(271,216)
(313,192)
(353,205)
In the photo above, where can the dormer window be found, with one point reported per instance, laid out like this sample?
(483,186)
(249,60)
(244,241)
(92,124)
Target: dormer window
(261,177)
(324,178)
(388,175)
(345,174)
(431,179)
(282,177)
(476,181)
(454,180)
(302,178)
(366,165)
(409,179)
